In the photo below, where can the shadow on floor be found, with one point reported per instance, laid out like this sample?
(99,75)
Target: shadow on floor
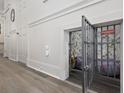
(75,78)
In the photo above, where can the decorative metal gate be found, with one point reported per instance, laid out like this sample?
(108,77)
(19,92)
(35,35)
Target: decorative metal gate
(87,53)
(108,50)
(95,50)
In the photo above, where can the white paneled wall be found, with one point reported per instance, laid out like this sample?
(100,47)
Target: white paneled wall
(1,37)
(41,27)
(1,5)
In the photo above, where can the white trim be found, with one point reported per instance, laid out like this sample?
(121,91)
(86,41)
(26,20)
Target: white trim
(22,60)
(42,71)
(65,11)
(5,10)
(13,59)
(42,66)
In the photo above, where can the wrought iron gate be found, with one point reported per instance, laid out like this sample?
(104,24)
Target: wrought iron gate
(95,50)
(87,53)
(108,50)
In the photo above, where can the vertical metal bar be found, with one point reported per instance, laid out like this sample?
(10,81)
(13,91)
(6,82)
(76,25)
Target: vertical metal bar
(107,53)
(114,54)
(93,53)
(87,31)
(96,51)
(70,49)
(89,54)
(94,48)
(87,78)
(101,51)
(83,55)
(86,53)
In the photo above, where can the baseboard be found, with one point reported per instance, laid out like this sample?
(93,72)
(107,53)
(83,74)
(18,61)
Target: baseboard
(12,59)
(22,61)
(48,69)
(43,71)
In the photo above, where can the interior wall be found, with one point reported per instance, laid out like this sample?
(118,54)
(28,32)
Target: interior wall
(2,33)
(22,30)
(15,37)
(51,33)
(1,5)
(41,27)
(1,36)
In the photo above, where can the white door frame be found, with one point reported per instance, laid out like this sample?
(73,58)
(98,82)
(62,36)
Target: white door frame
(66,44)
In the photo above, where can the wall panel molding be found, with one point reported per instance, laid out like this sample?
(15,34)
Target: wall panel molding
(65,11)
(53,70)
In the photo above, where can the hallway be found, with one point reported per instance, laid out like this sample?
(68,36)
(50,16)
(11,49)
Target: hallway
(61,46)
(17,78)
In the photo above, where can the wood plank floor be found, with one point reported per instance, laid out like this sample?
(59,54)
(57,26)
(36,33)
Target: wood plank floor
(97,85)
(16,78)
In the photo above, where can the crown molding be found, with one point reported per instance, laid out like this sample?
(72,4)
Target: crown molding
(5,10)
(65,11)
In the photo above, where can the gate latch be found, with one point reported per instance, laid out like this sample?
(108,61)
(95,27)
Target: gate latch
(86,68)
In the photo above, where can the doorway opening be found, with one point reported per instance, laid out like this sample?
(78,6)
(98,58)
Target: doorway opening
(94,56)
(77,55)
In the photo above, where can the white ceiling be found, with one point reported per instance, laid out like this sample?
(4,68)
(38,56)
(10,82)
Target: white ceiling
(1,5)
